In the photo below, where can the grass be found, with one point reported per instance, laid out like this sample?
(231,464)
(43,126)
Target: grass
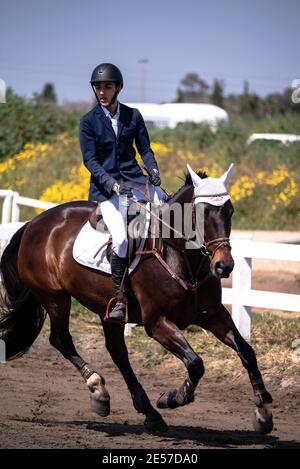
(271,338)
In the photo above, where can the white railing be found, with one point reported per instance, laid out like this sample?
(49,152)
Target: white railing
(7,197)
(240,296)
(12,202)
(284,138)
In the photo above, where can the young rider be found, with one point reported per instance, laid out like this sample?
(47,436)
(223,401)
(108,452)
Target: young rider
(107,136)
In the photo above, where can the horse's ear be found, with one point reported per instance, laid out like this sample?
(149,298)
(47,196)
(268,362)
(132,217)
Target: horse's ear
(227,176)
(197,181)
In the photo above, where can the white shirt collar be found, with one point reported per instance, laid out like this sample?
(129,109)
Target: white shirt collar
(108,114)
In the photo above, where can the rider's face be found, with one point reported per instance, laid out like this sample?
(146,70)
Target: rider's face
(105,92)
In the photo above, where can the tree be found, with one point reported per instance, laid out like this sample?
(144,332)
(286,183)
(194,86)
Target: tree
(193,89)
(47,96)
(217,95)
(250,103)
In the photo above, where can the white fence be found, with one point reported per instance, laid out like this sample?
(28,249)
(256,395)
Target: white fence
(240,296)
(12,202)
(283,138)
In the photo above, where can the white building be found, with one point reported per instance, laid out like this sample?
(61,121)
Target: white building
(171,114)
(284,138)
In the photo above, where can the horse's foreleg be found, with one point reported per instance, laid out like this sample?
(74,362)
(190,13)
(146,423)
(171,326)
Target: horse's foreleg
(116,346)
(169,336)
(223,327)
(58,309)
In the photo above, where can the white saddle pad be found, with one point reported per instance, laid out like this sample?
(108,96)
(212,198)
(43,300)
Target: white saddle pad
(89,240)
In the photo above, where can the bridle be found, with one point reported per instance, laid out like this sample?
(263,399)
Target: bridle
(222,242)
(193,284)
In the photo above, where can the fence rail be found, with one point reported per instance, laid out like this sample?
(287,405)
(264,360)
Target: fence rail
(12,202)
(241,296)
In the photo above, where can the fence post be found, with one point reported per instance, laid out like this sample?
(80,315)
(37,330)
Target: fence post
(241,281)
(128,328)
(6,207)
(15,209)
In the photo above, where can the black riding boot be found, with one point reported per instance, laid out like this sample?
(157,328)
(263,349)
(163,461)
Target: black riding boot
(118,267)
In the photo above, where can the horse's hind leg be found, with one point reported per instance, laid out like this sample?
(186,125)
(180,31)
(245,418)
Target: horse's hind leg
(223,327)
(116,346)
(58,308)
(171,338)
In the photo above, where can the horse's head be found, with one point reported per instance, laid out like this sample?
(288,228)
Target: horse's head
(218,210)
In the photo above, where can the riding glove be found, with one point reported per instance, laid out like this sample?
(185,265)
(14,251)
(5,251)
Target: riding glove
(154,177)
(122,189)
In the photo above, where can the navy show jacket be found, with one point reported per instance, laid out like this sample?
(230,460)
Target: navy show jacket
(111,158)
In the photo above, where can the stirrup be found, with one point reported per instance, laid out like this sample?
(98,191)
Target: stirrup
(113,301)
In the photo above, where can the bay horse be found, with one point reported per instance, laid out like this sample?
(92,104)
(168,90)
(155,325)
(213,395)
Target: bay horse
(173,288)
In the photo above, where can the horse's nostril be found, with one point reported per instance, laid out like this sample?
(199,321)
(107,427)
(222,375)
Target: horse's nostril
(219,268)
(224,268)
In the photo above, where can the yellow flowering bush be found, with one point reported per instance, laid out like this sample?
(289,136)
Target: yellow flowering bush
(37,166)
(30,151)
(76,188)
(244,186)
(53,172)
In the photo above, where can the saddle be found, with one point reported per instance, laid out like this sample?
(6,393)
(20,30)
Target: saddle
(135,228)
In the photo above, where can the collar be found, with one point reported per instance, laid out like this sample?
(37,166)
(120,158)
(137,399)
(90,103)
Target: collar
(108,114)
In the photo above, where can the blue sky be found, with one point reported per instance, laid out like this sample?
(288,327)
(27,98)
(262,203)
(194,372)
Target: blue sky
(62,41)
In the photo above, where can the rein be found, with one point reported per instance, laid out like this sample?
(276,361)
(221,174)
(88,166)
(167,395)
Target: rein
(193,284)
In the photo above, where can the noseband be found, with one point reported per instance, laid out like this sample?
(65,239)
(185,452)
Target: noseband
(221,242)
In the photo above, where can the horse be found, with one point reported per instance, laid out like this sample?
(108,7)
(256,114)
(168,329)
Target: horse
(172,287)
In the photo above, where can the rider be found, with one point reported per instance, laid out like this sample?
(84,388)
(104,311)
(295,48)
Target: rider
(107,135)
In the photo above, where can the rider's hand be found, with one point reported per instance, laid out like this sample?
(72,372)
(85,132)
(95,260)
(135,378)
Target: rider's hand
(154,177)
(124,189)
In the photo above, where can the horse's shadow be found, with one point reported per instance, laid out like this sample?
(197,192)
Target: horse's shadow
(178,434)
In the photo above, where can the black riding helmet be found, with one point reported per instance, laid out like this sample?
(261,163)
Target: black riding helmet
(107,72)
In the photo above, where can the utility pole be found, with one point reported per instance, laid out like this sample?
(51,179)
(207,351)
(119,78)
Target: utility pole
(142,63)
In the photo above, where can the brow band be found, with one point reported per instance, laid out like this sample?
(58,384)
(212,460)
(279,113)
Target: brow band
(211,195)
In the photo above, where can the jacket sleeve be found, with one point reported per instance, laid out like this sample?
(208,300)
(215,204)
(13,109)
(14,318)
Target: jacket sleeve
(142,142)
(88,149)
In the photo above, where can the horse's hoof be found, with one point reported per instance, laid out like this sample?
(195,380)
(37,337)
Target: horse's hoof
(100,407)
(167,400)
(262,420)
(155,425)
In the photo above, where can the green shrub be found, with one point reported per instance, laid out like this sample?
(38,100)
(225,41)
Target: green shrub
(23,121)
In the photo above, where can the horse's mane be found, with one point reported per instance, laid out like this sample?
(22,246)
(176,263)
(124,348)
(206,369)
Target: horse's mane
(188,178)
(188,182)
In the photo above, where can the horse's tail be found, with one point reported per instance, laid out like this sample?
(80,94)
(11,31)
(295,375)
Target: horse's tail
(21,315)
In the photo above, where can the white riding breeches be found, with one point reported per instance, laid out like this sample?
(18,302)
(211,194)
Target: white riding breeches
(114,212)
